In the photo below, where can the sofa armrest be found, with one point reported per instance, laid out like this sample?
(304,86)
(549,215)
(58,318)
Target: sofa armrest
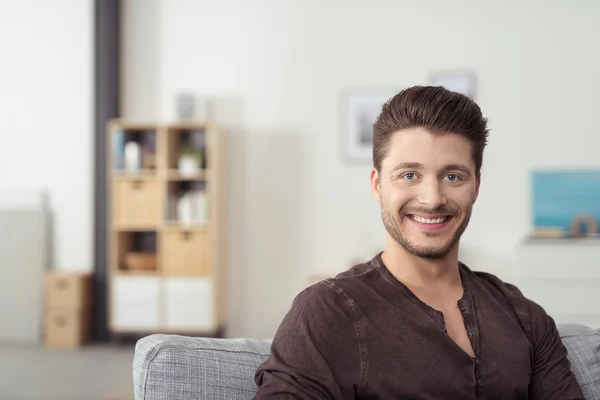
(186,368)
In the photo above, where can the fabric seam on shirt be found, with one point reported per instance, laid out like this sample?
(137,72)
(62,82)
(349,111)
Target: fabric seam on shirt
(361,346)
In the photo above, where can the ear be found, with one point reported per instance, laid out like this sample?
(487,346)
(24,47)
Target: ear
(375,185)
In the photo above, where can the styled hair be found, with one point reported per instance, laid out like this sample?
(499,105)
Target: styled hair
(435,109)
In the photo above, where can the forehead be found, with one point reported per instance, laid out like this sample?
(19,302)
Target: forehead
(420,146)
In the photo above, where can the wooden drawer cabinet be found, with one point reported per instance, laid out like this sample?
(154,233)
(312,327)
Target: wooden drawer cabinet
(167,216)
(137,202)
(186,253)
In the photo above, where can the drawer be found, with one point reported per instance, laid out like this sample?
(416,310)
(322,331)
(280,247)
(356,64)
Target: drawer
(190,304)
(185,253)
(66,328)
(135,302)
(137,202)
(69,290)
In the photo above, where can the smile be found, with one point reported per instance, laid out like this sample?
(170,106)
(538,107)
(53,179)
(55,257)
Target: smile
(431,221)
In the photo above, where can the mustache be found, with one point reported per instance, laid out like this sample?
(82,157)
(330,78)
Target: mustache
(441,211)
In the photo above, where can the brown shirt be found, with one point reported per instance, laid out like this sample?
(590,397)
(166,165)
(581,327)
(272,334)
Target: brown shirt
(364,334)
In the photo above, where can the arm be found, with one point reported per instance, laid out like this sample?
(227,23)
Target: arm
(551,372)
(315,353)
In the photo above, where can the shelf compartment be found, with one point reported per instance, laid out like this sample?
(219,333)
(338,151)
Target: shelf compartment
(187,150)
(137,253)
(187,204)
(143,139)
(179,294)
(135,303)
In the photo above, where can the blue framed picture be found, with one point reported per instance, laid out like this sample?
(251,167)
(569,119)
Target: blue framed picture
(559,196)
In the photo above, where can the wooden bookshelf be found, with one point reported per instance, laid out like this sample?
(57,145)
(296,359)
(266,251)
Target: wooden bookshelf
(165,228)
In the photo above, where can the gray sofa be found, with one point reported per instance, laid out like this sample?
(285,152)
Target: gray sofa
(170,367)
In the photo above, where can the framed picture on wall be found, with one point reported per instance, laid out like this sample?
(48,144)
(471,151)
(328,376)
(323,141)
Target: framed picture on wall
(360,109)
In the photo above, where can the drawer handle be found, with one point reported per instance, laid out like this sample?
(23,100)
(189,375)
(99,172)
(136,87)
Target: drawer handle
(136,184)
(186,235)
(61,284)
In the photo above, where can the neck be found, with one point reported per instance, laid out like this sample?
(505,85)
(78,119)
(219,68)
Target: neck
(431,274)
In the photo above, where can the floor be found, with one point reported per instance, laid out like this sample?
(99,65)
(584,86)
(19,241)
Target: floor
(91,373)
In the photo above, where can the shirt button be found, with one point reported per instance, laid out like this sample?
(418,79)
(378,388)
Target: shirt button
(480,382)
(477,361)
(469,334)
(443,326)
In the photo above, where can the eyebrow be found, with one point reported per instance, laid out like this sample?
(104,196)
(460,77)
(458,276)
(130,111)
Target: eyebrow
(407,165)
(458,167)
(450,167)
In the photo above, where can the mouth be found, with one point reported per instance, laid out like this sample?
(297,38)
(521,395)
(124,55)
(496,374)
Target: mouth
(431,222)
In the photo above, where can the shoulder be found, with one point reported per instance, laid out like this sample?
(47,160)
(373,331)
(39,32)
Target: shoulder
(530,314)
(493,283)
(335,296)
(320,303)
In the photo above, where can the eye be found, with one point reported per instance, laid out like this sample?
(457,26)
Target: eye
(452,178)
(409,176)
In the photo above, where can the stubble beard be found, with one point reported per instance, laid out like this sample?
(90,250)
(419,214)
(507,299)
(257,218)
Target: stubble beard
(432,252)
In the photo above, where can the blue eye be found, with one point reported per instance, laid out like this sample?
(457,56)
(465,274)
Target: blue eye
(452,177)
(409,176)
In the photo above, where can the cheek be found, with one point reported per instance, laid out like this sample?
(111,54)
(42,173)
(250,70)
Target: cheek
(463,197)
(398,197)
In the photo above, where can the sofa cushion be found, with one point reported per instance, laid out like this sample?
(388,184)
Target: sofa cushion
(583,345)
(185,368)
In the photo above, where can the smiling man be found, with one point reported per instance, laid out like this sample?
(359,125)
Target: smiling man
(414,322)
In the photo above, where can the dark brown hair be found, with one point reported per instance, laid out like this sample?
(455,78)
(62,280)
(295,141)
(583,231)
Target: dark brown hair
(436,109)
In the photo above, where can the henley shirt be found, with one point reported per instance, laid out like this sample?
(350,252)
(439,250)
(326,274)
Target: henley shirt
(365,335)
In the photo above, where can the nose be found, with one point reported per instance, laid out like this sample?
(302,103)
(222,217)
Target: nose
(431,194)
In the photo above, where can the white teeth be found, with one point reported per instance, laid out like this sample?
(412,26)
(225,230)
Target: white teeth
(428,220)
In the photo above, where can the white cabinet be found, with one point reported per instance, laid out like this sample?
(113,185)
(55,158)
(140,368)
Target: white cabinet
(189,304)
(135,303)
(563,276)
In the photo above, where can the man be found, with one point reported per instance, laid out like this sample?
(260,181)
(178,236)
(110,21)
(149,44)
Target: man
(414,322)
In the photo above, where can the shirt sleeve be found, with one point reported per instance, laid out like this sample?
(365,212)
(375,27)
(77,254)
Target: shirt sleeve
(315,353)
(551,377)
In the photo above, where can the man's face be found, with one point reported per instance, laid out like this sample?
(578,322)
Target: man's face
(427,187)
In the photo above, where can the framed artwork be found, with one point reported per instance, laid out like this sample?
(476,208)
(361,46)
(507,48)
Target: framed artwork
(360,109)
(457,81)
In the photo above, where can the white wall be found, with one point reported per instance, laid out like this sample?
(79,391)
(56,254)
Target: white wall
(278,68)
(46,96)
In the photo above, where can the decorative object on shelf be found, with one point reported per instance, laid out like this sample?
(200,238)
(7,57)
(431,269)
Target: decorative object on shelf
(548,232)
(360,109)
(186,106)
(190,160)
(192,206)
(463,82)
(140,261)
(133,157)
(591,226)
(184,210)
(564,200)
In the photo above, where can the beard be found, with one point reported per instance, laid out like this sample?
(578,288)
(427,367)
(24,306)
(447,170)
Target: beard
(392,225)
